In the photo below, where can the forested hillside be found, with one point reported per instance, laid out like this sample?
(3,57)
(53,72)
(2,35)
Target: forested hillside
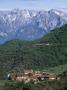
(49,51)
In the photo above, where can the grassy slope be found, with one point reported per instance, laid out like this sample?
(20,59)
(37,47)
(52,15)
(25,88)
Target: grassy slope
(44,53)
(58,69)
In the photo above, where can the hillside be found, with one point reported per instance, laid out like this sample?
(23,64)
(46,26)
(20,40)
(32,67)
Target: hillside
(49,51)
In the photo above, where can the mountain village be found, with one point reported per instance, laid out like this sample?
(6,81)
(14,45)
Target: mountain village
(32,76)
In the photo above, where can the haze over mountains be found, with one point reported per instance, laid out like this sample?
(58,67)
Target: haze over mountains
(29,24)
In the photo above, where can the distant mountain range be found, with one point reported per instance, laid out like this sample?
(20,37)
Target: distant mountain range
(29,24)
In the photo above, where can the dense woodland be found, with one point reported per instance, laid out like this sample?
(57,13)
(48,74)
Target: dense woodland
(49,51)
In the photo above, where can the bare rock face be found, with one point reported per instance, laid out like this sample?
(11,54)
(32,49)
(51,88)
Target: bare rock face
(29,24)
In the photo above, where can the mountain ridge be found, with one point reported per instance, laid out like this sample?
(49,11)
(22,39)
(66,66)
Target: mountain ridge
(29,24)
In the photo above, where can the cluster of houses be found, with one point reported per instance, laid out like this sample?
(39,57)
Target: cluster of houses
(30,75)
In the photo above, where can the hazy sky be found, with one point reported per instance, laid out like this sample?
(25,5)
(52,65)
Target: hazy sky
(34,4)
